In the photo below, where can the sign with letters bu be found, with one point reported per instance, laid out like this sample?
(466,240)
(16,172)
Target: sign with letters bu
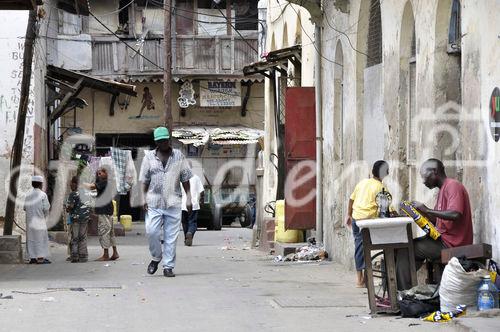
(220,94)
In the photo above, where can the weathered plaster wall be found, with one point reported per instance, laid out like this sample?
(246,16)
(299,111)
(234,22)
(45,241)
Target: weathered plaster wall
(12,33)
(110,20)
(481,74)
(287,25)
(436,76)
(95,117)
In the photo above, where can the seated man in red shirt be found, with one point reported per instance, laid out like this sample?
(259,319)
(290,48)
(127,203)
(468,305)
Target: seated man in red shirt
(451,216)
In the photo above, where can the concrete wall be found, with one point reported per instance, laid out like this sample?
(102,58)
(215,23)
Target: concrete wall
(474,158)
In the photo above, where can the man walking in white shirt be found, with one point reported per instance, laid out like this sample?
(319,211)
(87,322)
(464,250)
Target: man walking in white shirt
(163,171)
(190,219)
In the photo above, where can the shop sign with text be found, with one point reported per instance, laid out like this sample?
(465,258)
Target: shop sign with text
(220,94)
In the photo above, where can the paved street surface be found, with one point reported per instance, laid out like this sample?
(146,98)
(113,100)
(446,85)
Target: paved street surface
(220,285)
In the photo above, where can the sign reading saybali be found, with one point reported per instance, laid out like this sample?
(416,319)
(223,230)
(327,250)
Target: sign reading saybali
(220,94)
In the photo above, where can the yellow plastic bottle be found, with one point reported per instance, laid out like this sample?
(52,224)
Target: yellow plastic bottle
(280,235)
(115,212)
(126,221)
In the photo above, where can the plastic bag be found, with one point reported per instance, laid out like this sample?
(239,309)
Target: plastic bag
(442,317)
(414,308)
(418,301)
(458,287)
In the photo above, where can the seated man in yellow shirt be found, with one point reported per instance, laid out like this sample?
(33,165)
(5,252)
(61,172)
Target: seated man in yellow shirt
(363,205)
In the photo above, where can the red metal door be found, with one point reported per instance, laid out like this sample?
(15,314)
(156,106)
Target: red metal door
(300,152)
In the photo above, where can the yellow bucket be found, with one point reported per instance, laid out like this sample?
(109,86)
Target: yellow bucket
(126,221)
(280,235)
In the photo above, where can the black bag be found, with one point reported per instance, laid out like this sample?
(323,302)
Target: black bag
(419,300)
(413,308)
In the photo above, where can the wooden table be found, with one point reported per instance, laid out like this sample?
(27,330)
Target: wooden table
(390,263)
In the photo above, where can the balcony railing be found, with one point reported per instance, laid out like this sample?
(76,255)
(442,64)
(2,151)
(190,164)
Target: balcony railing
(192,55)
(209,55)
(115,58)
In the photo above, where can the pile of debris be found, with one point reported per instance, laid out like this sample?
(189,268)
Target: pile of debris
(309,252)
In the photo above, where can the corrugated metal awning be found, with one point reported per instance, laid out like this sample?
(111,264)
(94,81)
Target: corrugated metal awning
(217,135)
(191,135)
(275,60)
(72,82)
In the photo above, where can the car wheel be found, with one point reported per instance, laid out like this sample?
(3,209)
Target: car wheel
(247,214)
(217,219)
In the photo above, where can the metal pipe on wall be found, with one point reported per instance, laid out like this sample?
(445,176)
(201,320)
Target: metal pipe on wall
(319,136)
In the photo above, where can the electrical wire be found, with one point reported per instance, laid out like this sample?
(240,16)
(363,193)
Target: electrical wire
(130,47)
(201,87)
(161,6)
(348,39)
(118,10)
(372,6)
(312,41)
(244,39)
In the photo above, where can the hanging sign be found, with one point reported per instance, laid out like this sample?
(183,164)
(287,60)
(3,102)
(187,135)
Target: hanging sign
(495,114)
(186,95)
(220,94)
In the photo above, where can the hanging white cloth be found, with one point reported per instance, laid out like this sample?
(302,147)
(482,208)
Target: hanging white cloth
(36,205)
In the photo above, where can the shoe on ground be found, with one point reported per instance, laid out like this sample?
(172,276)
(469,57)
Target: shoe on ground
(152,267)
(189,239)
(83,260)
(168,273)
(74,260)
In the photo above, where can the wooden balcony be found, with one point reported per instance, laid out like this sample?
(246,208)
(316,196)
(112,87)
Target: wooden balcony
(113,58)
(206,55)
(192,55)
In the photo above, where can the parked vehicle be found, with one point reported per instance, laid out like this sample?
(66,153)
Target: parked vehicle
(223,205)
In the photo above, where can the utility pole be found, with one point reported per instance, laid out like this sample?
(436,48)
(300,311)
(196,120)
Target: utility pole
(167,74)
(21,122)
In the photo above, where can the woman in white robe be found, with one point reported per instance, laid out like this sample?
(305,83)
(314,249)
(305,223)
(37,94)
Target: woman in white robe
(37,207)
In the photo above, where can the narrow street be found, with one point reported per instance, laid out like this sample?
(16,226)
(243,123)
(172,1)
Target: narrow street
(221,285)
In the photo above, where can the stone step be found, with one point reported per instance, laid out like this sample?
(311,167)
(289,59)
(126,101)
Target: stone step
(11,251)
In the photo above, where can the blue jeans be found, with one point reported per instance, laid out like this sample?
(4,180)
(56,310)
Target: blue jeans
(359,257)
(170,221)
(189,222)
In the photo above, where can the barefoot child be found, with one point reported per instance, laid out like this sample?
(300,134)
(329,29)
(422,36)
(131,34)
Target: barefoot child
(363,205)
(104,211)
(79,212)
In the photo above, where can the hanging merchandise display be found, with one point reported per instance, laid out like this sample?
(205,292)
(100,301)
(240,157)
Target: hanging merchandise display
(186,95)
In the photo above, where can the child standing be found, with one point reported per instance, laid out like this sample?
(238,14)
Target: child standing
(104,211)
(37,207)
(363,205)
(79,212)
